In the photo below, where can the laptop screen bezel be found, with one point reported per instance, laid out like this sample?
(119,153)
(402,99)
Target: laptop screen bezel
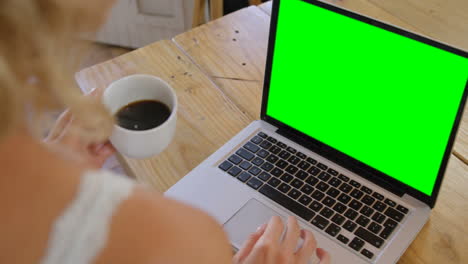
(337,156)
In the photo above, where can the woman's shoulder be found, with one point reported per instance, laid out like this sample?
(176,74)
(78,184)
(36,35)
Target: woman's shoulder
(154,229)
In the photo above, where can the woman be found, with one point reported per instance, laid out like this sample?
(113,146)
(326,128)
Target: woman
(56,207)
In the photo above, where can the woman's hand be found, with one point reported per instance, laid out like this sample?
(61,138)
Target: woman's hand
(265,246)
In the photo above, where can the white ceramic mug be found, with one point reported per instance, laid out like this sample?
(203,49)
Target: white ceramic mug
(145,143)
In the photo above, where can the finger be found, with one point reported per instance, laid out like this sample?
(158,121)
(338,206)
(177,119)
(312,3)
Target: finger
(292,235)
(323,256)
(274,229)
(249,244)
(308,247)
(104,153)
(96,92)
(62,122)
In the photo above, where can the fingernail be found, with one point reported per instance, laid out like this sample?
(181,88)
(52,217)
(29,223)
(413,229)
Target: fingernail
(260,228)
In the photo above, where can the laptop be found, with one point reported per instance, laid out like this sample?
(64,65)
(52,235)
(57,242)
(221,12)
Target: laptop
(358,120)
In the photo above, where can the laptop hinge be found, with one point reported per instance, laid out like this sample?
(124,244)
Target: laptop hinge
(326,152)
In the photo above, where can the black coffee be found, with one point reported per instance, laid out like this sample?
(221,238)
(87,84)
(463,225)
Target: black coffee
(143,115)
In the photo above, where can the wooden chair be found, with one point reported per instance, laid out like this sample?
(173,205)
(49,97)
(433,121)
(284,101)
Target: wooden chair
(216,10)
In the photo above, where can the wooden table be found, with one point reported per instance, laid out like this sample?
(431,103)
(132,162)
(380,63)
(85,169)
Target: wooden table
(217,71)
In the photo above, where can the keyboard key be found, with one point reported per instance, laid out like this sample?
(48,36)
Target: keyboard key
(225,165)
(281,144)
(386,233)
(284,154)
(374,228)
(322,166)
(262,135)
(355,183)
(255,171)
(345,188)
(275,149)
(326,212)
(343,239)
(339,207)
(367,211)
(307,189)
(257,140)
(351,214)
(235,159)
(314,171)
(257,161)
(294,160)
(267,166)
(234,171)
(305,200)
(377,196)
(363,221)
(343,178)
(332,172)
(245,154)
(379,206)
(294,194)
(301,155)
(282,164)
(324,176)
(287,202)
(272,140)
(367,253)
(244,176)
(390,224)
(335,182)
(292,150)
(402,209)
(272,158)
(322,186)
(276,172)
(350,226)
(320,222)
(344,198)
(369,237)
(303,165)
(316,206)
(356,244)
(262,153)
(302,175)
(378,217)
(264,176)
(287,177)
(318,195)
(333,192)
(265,145)
(312,180)
(366,189)
(338,219)
(284,188)
(368,200)
(292,169)
(357,194)
(254,183)
(296,183)
(328,201)
(251,147)
(311,160)
(274,182)
(245,165)
(355,205)
(394,214)
(333,230)
(390,202)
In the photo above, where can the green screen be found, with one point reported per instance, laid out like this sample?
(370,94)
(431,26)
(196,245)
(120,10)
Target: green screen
(381,98)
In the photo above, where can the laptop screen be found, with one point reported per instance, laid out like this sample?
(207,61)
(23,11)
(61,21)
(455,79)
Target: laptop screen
(383,99)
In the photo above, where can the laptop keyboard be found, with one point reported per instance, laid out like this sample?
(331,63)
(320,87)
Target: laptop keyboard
(344,209)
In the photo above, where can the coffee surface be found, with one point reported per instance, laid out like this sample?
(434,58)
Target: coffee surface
(143,115)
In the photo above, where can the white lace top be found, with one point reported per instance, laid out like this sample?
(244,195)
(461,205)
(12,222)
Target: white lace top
(80,233)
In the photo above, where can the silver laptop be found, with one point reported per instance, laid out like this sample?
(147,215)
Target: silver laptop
(357,125)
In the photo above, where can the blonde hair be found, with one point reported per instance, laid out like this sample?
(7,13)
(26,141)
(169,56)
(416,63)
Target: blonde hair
(37,60)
